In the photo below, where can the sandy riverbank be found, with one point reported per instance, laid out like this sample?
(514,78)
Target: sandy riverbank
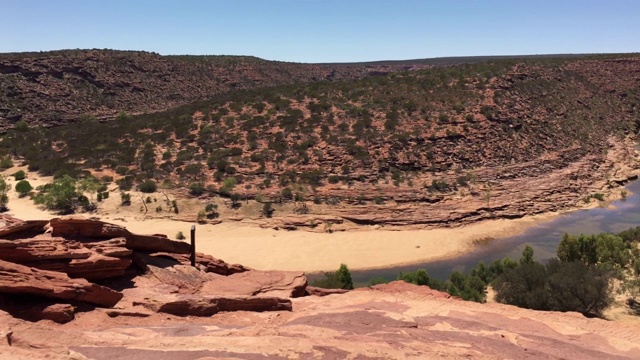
(269,249)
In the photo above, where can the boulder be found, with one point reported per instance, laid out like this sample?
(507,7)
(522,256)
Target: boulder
(209,305)
(258,283)
(36,308)
(60,313)
(20,279)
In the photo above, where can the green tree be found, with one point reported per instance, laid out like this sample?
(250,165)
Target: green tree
(612,250)
(4,198)
(344,276)
(235,200)
(527,255)
(329,280)
(523,286)
(211,211)
(61,196)
(340,279)
(418,277)
(88,185)
(568,249)
(575,286)
(23,187)
(558,286)
(227,185)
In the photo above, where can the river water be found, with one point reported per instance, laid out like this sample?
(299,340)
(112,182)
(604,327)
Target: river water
(543,237)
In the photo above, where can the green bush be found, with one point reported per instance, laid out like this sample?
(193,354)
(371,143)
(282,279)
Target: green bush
(287,194)
(558,286)
(211,211)
(125,199)
(344,276)
(418,277)
(377,280)
(148,186)
(196,189)
(202,215)
(597,249)
(439,186)
(4,198)
(267,210)
(329,280)
(340,279)
(126,183)
(6,163)
(23,187)
(62,196)
(19,175)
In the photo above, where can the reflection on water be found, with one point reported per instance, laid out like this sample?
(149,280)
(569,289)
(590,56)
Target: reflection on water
(544,238)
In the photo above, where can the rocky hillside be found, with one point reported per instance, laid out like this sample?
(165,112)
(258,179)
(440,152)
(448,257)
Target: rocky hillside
(441,146)
(53,88)
(74,288)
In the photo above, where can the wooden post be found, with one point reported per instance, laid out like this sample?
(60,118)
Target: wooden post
(193,245)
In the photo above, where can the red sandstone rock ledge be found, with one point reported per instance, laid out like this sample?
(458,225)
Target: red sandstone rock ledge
(391,321)
(157,307)
(65,264)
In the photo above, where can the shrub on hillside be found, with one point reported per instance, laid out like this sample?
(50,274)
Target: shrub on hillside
(148,186)
(19,175)
(196,189)
(62,196)
(6,163)
(23,187)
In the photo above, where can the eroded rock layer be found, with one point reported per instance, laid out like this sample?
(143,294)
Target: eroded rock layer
(391,321)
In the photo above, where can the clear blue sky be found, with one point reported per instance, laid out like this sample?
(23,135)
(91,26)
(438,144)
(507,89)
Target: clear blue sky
(324,30)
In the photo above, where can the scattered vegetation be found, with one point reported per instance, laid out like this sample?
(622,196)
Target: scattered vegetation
(597,196)
(379,127)
(340,279)
(65,195)
(580,279)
